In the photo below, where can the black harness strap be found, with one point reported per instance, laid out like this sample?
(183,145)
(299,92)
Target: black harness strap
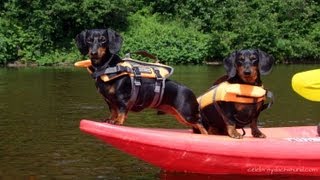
(137,71)
(158,89)
(111,70)
(135,84)
(220,111)
(269,104)
(269,94)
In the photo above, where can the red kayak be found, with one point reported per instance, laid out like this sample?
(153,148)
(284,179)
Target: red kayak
(286,150)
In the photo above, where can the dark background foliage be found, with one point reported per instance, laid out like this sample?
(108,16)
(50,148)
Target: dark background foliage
(179,32)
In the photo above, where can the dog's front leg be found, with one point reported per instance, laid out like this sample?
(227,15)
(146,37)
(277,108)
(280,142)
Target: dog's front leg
(122,115)
(231,126)
(255,130)
(113,113)
(117,116)
(232,132)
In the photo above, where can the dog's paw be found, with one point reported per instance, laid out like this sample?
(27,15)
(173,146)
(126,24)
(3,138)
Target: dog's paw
(258,134)
(110,121)
(232,132)
(235,135)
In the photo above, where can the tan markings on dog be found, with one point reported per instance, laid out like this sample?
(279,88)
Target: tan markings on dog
(249,79)
(232,132)
(177,115)
(240,107)
(252,57)
(111,89)
(114,113)
(102,51)
(121,118)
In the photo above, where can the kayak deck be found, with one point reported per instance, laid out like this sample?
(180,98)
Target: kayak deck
(286,150)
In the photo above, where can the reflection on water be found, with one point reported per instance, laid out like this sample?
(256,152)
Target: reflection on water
(40,110)
(190,176)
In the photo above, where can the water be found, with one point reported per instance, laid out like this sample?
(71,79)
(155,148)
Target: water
(40,110)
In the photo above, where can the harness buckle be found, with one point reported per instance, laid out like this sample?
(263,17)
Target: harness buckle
(137,76)
(158,75)
(157,88)
(111,70)
(137,82)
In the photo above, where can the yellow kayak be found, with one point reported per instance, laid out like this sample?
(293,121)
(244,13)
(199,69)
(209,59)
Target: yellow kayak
(307,84)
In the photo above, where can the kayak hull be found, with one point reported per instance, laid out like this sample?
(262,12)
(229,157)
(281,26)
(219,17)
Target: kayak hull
(287,150)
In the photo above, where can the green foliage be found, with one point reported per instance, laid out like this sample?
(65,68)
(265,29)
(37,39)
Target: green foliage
(172,42)
(179,32)
(286,29)
(7,46)
(39,29)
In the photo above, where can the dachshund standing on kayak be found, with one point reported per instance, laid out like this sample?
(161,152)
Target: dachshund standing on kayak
(125,93)
(237,98)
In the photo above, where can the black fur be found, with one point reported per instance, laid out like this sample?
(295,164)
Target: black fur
(102,46)
(243,67)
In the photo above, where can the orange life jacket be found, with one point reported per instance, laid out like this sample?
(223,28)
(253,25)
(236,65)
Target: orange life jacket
(130,67)
(135,70)
(227,92)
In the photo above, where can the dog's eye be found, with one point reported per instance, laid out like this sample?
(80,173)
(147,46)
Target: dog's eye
(90,40)
(253,59)
(240,62)
(102,39)
(241,58)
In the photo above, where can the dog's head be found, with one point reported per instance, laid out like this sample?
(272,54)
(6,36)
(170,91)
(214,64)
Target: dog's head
(98,43)
(248,65)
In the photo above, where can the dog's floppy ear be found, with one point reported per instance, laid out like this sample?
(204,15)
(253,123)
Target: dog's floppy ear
(81,42)
(265,62)
(115,41)
(230,65)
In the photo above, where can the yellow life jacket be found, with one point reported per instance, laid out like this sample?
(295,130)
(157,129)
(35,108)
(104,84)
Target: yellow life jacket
(135,70)
(227,92)
(130,67)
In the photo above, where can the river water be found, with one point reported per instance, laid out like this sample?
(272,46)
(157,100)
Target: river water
(40,111)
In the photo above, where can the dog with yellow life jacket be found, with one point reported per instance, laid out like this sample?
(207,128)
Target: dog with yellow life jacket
(130,85)
(236,99)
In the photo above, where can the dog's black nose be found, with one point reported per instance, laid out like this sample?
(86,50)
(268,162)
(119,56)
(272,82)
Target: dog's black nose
(247,72)
(94,53)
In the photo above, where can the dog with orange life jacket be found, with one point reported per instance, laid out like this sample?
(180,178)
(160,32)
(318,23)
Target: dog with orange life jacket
(236,99)
(130,85)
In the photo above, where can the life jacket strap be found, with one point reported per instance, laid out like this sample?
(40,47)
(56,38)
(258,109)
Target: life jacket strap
(111,70)
(158,89)
(136,85)
(270,96)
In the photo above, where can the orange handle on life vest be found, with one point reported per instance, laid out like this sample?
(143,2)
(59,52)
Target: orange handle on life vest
(83,63)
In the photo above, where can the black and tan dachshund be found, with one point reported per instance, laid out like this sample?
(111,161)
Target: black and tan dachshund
(102,46)
(243,68)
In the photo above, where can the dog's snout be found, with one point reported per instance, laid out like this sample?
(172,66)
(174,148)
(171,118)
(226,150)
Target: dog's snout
(93,52)
(247,72)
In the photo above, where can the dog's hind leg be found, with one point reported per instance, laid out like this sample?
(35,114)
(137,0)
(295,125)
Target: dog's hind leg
(121,116)
(117,117)
(113,113)
(184,119)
